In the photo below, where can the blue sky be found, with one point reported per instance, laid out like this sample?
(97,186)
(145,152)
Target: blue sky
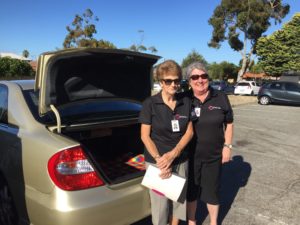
(173,27)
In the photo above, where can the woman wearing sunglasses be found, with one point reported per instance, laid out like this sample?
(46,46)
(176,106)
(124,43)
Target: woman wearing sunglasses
(211,146)
(165,131)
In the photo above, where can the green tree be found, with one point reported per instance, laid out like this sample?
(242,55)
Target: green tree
(280,51)
(82,30)
(229,70)
(140,47)
(152,49)
(4,66)
(25,53)
(193,56)
(223,71)
(256,68)
(242,22)
(214,71)
(14,68)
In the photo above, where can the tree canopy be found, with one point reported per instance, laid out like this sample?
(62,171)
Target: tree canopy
(242,22)
(10,67)
(82,30)
(223,71)
(280,51)
(140,47)
(193,56)
(25,53)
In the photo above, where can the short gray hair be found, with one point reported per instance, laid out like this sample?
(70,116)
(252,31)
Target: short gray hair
(195,65)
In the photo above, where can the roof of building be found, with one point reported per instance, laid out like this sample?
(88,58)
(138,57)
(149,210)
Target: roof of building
(13,56)
(253,75)
(33,65)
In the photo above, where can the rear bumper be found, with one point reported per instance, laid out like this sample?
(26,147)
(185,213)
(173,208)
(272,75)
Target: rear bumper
(246,92)
(95,206)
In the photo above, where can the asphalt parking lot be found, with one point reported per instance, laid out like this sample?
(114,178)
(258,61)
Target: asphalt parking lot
(261,185)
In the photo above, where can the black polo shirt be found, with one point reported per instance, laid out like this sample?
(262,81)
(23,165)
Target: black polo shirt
(209,128)
(157,114)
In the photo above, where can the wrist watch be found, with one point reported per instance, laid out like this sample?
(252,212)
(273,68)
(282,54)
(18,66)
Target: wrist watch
(156,156)
(228,146)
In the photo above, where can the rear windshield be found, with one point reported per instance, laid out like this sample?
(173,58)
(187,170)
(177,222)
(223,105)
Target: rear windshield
(243,84)
(93,110)
(216,83)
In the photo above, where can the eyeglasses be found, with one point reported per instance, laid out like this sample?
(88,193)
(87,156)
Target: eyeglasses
(170,81)
(197,76)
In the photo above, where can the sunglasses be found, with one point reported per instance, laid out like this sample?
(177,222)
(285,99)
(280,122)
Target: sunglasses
(197,76)
(170,81)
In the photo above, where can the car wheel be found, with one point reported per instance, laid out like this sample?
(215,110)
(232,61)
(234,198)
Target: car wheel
(264,100)
(8,214)
(252,93)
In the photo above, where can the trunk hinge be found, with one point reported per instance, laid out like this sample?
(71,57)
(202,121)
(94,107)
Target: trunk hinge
(56,113)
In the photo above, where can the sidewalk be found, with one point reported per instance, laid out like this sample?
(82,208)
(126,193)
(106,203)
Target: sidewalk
(236,100)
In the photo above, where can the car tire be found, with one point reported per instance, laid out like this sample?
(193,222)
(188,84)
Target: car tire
(252,93)
(8,213)
(264,100)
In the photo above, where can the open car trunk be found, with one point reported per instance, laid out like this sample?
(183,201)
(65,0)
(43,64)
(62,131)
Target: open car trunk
(116,152)
(95,95)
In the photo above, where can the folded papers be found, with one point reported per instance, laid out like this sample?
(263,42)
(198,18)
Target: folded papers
(172,187)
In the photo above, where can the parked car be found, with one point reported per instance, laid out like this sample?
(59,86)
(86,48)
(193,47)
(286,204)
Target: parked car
(222,86)
(230,89)
(156,87)
(219,85)
(281,92)
(246,88)
(184,85)
(70,150)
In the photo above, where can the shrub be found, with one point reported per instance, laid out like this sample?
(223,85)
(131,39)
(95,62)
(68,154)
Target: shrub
(14,68)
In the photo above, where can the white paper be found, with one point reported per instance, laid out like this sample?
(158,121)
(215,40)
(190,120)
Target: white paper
(170,187)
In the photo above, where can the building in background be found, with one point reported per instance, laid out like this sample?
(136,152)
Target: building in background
(32,63)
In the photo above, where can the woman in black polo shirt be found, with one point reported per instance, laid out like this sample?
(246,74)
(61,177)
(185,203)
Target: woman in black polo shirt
(211,146)
(165,131)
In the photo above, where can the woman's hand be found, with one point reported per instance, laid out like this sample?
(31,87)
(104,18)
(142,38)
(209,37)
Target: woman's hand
(226,154)
(165,173)
(164,162)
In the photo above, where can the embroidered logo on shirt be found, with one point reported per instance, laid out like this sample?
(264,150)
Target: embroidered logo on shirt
(177,117)
(211,107)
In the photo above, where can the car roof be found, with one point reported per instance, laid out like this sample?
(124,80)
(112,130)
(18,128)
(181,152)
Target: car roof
(246,81)
(286,82)
(24,84)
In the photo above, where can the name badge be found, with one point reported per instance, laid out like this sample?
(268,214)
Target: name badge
(198,111)
(175,125)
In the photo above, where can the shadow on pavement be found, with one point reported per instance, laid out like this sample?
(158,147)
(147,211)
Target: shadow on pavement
(235,175)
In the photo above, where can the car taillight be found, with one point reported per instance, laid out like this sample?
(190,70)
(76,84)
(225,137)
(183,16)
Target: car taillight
(70,170)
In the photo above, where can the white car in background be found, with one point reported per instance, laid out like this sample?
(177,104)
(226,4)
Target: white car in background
(246,88)
(156,87)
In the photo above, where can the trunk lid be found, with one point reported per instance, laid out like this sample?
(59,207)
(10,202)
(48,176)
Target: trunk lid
(71,76)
